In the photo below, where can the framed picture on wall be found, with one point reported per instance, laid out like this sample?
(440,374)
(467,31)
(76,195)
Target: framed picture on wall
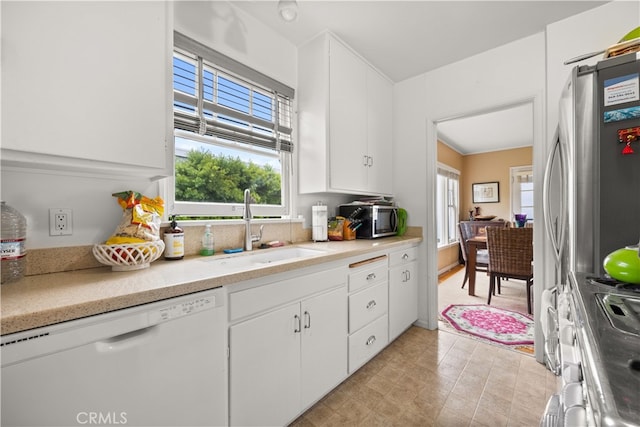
(486,192)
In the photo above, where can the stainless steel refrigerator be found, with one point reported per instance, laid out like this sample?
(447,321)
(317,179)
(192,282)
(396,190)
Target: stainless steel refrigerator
(592,179)
(592,207)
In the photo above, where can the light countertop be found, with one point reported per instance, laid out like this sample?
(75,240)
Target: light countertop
(42,300)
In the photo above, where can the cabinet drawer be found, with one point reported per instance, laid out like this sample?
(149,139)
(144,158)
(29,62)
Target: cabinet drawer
(367,273)
(403,256)
(367,342)
(253,301)
(367,305)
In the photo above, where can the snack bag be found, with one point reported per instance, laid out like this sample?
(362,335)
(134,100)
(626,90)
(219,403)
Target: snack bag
(141,218)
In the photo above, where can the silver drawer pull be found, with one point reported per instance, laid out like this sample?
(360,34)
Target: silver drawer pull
(371,304)
(371,340)
(405,256)
(371,276)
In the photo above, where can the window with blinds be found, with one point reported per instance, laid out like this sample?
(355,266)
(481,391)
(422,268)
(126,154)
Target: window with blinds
(447,204)
(233,130)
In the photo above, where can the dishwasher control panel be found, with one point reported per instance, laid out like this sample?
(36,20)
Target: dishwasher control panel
(186,305)
(184,308)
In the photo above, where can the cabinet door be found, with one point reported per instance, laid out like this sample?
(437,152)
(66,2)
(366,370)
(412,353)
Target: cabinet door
(347,119)
(403,297)
(87,84)
(264,365)
(379,132)
(324,344)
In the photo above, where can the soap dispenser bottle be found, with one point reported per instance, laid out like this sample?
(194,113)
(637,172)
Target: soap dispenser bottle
(207,242)
(174,241)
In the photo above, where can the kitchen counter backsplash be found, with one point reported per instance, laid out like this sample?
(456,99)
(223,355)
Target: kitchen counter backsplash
(225,236)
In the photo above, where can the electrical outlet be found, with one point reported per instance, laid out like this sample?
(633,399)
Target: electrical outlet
(60,222)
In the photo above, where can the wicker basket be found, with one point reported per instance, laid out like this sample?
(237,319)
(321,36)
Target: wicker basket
(130,256)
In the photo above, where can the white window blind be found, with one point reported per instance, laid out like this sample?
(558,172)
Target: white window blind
(229,101)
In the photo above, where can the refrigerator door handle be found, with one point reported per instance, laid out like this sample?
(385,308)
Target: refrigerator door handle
(557,239)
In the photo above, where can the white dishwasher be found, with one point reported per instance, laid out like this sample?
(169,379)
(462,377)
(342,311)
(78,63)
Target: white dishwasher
(157,364)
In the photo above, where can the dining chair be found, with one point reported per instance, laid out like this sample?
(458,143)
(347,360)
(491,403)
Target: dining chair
(466,231)
(510,257)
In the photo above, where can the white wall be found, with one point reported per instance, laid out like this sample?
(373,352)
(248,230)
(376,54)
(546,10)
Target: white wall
(525,69)
(503,76)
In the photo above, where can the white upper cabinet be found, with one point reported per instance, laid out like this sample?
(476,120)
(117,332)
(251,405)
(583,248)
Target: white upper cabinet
(345,121)
(86,86)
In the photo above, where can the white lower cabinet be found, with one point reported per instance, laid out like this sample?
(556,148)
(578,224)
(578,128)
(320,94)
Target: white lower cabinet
(265,369)
(293,340)
(284,360)
(403,291)
(368,307)
(324,339)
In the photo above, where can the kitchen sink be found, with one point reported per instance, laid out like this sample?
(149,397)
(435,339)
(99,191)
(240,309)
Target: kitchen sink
(261,258)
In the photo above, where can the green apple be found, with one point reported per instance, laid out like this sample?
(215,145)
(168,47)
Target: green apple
(623,264)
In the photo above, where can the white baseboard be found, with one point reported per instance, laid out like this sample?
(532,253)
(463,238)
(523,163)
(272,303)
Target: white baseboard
(449,267)
(421,323)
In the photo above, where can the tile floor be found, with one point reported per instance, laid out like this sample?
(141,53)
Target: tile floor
(438,378)
(513,296)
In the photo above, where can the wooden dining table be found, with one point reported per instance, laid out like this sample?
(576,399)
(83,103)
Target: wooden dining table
(473,244)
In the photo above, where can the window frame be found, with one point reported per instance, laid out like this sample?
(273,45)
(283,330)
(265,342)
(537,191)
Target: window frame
(516,190)
(281,149)
(442,209)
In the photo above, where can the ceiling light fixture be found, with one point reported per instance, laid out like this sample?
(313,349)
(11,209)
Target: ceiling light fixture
(288,10)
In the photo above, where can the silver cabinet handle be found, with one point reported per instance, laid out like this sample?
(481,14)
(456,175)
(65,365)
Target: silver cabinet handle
(307,317)
(371,276)
(406,276)
(370,162)
(365,161)
(296,329)
(371,304)
(405,256)
(371,340)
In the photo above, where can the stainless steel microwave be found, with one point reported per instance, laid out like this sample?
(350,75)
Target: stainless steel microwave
(371,221)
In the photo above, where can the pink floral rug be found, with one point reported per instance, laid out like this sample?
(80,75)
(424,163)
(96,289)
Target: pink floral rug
(491,323)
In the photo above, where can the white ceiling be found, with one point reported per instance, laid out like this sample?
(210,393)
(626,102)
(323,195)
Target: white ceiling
(407,38)
(493,131)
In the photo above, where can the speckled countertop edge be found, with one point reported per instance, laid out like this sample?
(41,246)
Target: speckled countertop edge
(46,299)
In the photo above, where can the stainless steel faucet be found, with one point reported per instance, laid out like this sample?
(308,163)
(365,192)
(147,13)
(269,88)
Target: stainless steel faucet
(246,216)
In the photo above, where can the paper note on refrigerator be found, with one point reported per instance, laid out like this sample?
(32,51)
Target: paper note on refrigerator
(622,89)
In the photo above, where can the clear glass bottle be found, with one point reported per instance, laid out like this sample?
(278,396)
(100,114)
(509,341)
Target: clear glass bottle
(14,236)
(207,242)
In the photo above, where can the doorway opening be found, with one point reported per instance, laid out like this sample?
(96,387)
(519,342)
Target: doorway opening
(485,147)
